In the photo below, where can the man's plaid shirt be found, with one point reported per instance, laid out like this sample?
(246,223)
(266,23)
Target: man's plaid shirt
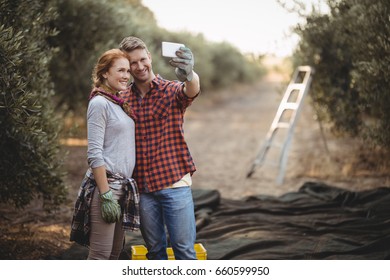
(163,157)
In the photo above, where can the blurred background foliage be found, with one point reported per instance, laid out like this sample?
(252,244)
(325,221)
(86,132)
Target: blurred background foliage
(350,51)
(48,49)
(30,162)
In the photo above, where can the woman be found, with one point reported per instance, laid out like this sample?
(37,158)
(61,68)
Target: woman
(107,202)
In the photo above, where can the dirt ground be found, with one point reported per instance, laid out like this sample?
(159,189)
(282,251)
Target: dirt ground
(224,131)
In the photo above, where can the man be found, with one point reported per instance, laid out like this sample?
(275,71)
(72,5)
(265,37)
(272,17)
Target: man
(163,162)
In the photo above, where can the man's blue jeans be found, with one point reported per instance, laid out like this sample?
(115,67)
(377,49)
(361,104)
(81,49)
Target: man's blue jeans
(175,208)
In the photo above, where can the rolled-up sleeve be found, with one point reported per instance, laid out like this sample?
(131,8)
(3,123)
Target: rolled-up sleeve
(96,127)
(183,99)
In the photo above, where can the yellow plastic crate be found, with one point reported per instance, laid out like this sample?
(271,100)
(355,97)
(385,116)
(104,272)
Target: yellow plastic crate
(138,252)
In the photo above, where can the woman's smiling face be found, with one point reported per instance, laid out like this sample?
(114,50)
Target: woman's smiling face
(118,75)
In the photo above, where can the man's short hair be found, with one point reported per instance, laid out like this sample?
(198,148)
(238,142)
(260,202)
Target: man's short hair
(131,43)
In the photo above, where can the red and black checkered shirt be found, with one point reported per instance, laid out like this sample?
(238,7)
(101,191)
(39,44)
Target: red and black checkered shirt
(163,157)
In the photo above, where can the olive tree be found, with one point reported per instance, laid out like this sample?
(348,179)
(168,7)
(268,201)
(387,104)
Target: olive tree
(350,50)
(29,154)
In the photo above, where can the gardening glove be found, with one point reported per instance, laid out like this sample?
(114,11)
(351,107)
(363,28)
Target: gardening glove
(110,209)
(184,63)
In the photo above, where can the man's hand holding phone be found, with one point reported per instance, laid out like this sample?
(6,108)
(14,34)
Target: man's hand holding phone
(182,59)
(169,49)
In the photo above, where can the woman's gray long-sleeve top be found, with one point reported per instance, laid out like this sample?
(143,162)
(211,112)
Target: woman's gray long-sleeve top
(111,137)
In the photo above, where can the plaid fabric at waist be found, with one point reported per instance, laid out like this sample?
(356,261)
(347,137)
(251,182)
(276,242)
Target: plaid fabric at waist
(80,226)
(131,219)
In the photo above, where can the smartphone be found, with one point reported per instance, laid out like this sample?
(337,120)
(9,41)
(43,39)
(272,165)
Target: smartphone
(169,49)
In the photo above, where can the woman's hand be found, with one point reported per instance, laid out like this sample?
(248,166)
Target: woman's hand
(110,209)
